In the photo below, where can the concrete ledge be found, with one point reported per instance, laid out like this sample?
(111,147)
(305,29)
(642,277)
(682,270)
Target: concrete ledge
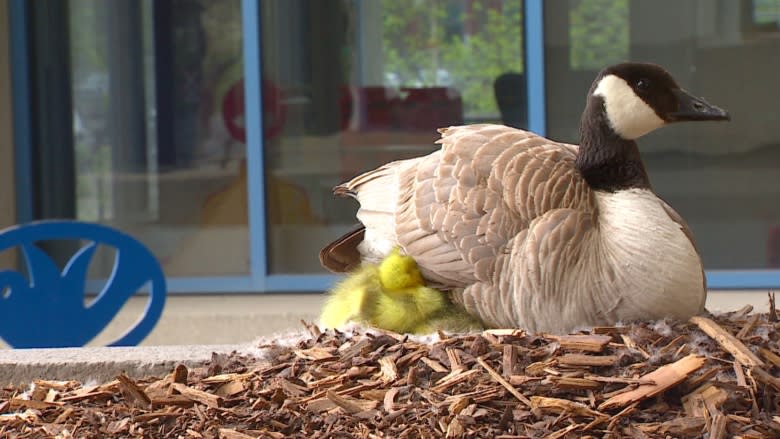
(102,364)
(223,324)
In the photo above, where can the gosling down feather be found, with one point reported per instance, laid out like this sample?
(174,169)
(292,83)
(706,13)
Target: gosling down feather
(527,232)
(393,296)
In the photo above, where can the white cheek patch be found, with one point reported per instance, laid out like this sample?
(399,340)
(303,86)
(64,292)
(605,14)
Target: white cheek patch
(628,114)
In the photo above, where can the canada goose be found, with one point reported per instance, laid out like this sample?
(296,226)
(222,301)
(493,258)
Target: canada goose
(527,232)
(393,296)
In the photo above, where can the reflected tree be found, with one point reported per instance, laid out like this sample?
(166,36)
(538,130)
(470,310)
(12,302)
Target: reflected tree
(464,44)
(598,33)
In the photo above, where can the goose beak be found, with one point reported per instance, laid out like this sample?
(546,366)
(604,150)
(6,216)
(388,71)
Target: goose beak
(695,108)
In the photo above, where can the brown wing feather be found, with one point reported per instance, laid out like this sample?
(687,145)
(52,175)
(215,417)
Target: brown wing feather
(490,182)
(456,209)
(342,255)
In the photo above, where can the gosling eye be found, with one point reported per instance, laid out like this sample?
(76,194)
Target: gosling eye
(642,84)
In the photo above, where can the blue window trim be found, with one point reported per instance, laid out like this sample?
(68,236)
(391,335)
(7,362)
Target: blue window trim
(253,92)
(743,279)
(260,279)
(534,65)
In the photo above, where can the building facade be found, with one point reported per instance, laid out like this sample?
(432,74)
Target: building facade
(214,130)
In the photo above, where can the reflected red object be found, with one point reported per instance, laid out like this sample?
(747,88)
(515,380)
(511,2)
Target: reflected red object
(234,113)
(369,108)
(430,108)
(407,109)
(372,108)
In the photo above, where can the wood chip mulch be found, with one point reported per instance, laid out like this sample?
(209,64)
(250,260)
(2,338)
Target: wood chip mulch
(710,377)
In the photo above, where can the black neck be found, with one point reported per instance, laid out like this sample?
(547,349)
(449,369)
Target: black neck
(607,161)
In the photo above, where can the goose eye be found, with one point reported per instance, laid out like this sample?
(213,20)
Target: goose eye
(642,84)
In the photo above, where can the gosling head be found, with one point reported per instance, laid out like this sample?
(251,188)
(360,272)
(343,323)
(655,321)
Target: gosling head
(637,98)
(398,271)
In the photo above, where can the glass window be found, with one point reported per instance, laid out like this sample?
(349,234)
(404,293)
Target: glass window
(723,178)
(158,137)
(598,33)
(765,15)
(350,85)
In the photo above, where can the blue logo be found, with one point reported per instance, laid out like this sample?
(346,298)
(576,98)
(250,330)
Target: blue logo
(48,309)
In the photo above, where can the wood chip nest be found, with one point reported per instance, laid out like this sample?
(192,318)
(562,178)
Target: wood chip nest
(711,376)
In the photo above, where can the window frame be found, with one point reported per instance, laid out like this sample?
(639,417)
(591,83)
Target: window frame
(259,279)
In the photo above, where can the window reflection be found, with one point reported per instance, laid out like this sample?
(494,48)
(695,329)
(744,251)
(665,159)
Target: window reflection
(598,33)
(158,111)
(156,148)
(723,178)
(361,83)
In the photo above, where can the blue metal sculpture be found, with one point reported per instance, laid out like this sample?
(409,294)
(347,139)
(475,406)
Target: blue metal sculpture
(48,309)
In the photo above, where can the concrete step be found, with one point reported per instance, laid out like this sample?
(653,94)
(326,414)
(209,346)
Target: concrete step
(102,364)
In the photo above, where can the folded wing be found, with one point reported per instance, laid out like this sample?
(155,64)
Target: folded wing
(456,210)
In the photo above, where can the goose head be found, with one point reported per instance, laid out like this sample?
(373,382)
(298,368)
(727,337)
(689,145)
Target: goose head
(638,98)
(625,102)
